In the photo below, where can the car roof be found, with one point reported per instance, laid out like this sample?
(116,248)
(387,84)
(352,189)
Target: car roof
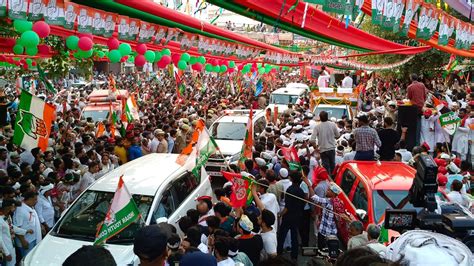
(239,116)
(99,106)
(297,85)
(289,91)
(105,93)
(142,176)
(335,106)
(384,175)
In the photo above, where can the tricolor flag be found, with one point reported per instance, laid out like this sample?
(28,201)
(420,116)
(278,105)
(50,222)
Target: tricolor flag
(187,156)
(33,122)
(131,109)
(178,74)
(437,103)
(122,212)
(45,81)
(453,62)
(246,151)
(205,147)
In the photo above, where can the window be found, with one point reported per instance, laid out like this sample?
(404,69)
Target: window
(348,179)
(360,197)
(259,125)
(390,199)
(228,130)
(174,195)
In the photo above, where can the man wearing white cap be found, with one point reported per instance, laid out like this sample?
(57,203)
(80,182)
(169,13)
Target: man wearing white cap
(44,207)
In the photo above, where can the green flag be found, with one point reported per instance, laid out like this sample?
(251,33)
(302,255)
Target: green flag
(47,84)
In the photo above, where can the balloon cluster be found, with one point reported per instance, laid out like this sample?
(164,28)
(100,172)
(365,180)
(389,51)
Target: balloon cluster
(257,67)
(30,36)
(24,63)
(82,45)
(220,66)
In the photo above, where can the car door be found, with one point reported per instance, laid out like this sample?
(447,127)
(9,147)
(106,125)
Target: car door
(259,126)
(348,183)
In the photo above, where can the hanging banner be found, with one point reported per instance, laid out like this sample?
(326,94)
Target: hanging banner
(123,27)
(17,9)
(388,15)
(449,122)
(36,9)
(410,8)
(399,6)
(377,11)
(171,35)
(54,14)
(444,26)
(98,22)
(160,34)
(432,22)
(3,8)
(134,28)
(187,41)
(343,7)
(143,32)
(70,15)
(109,27)
(84,20)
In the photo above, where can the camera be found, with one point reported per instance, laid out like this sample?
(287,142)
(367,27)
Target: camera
(445,218)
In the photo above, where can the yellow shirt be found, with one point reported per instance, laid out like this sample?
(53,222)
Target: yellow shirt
(121,153)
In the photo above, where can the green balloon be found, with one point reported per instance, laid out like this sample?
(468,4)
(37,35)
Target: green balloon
(77,55)
(100,54)
(22,25)
(71,42)
(125,49)
(29,38)
(131,59)
(231,64)
(202,59)
(223,69)
(244,71)
(149,56)
(29,61)
(261,71)
(247,68)
(158,56)
(85,54)
(18,49)
(32,51)
(193,60)
(182,64)
(185,57)
(216,68)
(208,67)
(166,52)
(115,56)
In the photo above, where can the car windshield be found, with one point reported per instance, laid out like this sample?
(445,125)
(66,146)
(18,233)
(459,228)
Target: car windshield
(228,130)
(283,98)
(83,218)
(389,199)
(96,115)
(338,113)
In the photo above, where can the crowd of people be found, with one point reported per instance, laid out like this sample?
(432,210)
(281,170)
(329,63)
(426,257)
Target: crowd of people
(288,205)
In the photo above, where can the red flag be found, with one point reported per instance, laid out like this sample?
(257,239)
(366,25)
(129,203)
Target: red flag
(240,189)
(246,151)
(291,156)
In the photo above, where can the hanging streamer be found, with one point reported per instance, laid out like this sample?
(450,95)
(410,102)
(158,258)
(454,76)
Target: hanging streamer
(304,15)
(293,7)
(218,15)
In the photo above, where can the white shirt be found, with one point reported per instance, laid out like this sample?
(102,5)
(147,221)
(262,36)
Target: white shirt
(269,244)
(460,198)
(45,210)
(154,145)
(226,262)
(347,82)
(27,218)
(203,248)
(323,79)
(270,202)
(6,244)
(378,248)
(406,155)
(86,180)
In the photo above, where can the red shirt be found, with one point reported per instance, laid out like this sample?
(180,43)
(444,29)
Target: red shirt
(416,93)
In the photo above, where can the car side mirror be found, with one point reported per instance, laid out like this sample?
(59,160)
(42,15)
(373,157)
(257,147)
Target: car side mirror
(361,214)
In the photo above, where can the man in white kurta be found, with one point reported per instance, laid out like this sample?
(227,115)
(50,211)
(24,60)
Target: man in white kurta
(8,231)
(44,208)
(427,133)
(25,217)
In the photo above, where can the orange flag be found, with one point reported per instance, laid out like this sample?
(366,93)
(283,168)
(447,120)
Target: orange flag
(100,130)
(438,104)
(181,160)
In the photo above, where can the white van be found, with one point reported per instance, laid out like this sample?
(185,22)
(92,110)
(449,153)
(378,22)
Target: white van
(284,96)
(229,133)
(159,186)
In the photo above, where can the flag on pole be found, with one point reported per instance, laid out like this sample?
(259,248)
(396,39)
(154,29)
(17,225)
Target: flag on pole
(205,147)
(291,156)
(33,122)
(453,62)
(186,154)
(180,88)
(131,109)
(112,84)
(437,103)
(100,130)
(47,84)
(240,189)
(112,119)
(246,151)
(122,213)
